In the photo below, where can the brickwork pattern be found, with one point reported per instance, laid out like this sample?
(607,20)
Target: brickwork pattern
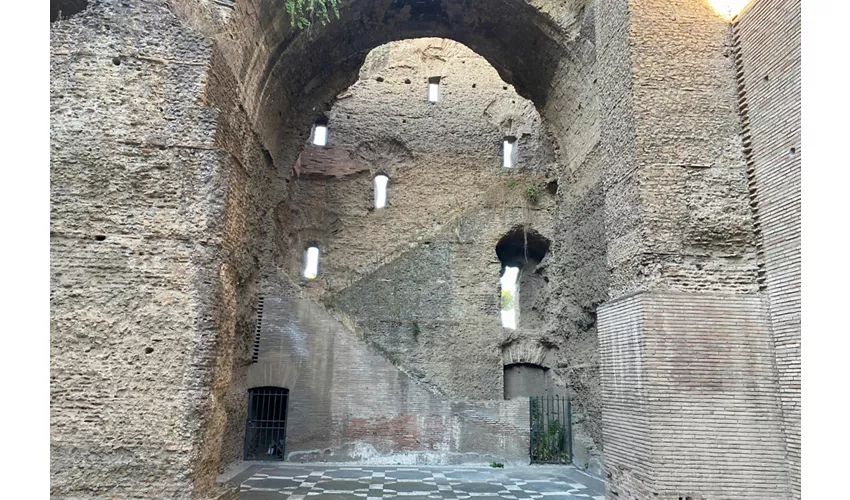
(691,405)
(767,35)
(172,142)
(347,402)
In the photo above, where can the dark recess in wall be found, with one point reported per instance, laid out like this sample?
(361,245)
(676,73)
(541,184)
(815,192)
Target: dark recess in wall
(521,245)
(66,8)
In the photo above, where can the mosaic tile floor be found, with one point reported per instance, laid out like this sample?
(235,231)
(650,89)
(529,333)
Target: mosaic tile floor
(321,482)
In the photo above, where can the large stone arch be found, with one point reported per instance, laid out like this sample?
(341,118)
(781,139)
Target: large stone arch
(271,82)
(288,77)
(640,101)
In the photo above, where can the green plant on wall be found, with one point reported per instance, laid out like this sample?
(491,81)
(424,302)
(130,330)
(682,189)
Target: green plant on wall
(548,436)
(532,192)
(303,13)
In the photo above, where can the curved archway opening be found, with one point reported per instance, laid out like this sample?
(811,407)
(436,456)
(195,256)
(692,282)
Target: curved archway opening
(293,76)
(289,80)
(520,252)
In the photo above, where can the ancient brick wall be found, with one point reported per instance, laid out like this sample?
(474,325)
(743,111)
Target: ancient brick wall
(767,35)
(137,206)
(678,219)
(171,163)
(348,402)
(691,404)
(427,262)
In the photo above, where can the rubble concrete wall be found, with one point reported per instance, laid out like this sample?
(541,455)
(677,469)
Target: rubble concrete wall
(138,203)
(427,261)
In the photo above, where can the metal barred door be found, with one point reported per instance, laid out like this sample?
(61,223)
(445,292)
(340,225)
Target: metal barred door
(265,434)
(551,430)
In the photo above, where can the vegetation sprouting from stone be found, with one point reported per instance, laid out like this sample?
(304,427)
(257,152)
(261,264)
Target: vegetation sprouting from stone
(548,437)
(303,13)
(532,193)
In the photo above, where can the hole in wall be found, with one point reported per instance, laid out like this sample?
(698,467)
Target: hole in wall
(508,296)
(311,262)
(509,152)
(552,187)
(267,156)
(474,85)
(407,81)
(381,183)
(792,151)
(116,60)
(379,79)
(99,237)
(148,350)
(520,251)
(434,89)
(320,134)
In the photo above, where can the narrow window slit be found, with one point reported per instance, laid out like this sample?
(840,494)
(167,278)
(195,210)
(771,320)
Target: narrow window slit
(311,266)
(509,152)
(320,134)
(434,89)
(509,281)
(381,183)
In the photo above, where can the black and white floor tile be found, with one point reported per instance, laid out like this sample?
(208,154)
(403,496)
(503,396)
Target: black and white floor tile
(320,482)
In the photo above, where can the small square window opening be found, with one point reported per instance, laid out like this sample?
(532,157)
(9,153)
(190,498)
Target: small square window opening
(320,135)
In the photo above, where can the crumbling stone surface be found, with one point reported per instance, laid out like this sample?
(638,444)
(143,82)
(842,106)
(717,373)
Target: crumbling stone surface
(137,200)
(179,195)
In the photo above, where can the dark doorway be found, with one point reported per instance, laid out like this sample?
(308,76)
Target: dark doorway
(265,434)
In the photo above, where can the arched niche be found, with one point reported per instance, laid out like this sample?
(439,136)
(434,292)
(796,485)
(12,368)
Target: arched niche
(526,380)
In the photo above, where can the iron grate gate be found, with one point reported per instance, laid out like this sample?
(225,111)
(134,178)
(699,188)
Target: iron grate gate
(551,430)
(265,433)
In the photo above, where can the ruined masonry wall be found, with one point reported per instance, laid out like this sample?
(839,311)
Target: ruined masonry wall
(768,38)
(138,195)
(347,402)
(691,406)
(427,262)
